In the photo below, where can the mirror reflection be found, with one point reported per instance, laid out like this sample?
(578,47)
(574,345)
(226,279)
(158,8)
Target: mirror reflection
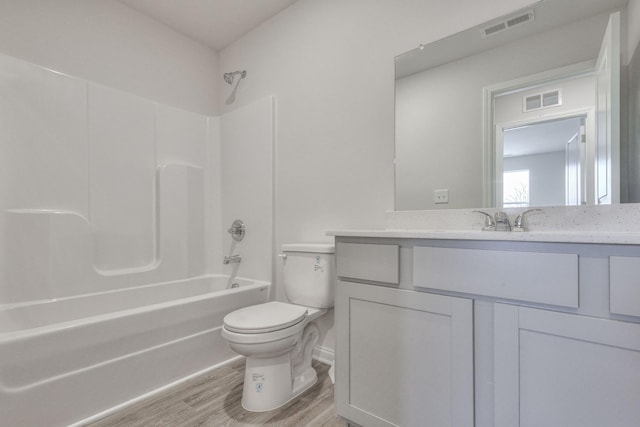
(521,111)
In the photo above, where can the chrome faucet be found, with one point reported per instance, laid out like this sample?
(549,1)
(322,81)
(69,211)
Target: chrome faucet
(502,222)
(498,222)
(233,259)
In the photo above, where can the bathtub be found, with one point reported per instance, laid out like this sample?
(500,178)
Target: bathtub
(63,361)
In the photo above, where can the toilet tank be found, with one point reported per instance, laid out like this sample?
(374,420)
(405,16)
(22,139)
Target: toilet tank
(309,273)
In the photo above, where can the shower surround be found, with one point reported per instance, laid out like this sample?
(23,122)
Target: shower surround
(104,193)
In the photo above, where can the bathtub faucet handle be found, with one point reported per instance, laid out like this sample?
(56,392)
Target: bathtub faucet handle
(237,230)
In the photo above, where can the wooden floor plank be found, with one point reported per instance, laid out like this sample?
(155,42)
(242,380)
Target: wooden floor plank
(213,400)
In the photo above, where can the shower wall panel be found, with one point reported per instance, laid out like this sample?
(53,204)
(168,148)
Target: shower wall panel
(43,124)
(100,189)
(247,184)
(213,197)
(182,220)
(181,137)
(121,178)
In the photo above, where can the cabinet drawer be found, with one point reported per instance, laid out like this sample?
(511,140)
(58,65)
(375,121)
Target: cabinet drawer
(547,278)
(378,263)
(624,285)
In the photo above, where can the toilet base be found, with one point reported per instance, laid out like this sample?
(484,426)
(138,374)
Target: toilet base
(268,383)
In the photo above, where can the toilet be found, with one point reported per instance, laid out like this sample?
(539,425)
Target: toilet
(277,338)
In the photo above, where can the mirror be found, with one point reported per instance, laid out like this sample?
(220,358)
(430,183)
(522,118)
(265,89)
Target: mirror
(520,111)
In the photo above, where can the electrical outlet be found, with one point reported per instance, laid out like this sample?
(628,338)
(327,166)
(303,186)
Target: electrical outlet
(440,196)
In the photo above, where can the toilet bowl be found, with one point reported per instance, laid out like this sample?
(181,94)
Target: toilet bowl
(278,366)
(277,338)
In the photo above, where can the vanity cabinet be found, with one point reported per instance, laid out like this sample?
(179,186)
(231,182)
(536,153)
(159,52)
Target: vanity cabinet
(487,333)
(404,358)
(559,369)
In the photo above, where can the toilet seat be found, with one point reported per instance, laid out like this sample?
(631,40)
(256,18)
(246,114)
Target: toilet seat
(263,318)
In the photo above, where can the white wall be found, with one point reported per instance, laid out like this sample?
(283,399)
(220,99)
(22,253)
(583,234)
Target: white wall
(330,65)
(107,42)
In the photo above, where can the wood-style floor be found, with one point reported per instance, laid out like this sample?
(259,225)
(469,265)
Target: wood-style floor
(213,399)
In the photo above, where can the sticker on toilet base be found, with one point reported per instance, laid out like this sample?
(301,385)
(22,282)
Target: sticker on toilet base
(258,379)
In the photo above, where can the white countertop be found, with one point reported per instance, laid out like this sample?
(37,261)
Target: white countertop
(618,238)
(606,224)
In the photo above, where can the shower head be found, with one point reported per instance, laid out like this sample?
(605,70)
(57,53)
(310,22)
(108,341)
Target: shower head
(229,77)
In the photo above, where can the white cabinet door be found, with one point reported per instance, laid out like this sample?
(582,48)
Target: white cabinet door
(403,358)
(558,369)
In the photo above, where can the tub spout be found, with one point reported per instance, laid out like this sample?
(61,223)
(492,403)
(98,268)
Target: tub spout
(232,259)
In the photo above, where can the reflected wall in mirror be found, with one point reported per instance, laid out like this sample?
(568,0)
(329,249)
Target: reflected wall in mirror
(525,92)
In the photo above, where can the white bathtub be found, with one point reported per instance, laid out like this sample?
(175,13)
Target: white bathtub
(66,360)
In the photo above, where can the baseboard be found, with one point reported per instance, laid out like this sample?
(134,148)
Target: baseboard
(323,355)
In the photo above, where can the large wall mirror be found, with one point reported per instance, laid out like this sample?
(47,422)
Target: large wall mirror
(525,110)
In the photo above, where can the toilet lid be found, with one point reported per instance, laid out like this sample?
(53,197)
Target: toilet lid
(267,317)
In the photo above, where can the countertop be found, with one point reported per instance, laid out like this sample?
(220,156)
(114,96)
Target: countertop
(598,237)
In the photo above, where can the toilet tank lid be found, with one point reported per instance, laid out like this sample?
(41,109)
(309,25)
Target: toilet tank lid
(316,248)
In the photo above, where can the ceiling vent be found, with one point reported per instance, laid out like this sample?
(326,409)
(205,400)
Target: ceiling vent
(541,100)
(504,25)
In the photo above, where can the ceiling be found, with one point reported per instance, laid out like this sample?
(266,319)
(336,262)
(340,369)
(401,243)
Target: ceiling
(216,23)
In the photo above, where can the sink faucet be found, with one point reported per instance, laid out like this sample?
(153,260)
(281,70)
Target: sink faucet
(498,222)
(233,259)
(502,222)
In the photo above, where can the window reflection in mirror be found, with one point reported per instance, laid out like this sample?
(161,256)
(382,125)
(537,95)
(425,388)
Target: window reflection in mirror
(515,188)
